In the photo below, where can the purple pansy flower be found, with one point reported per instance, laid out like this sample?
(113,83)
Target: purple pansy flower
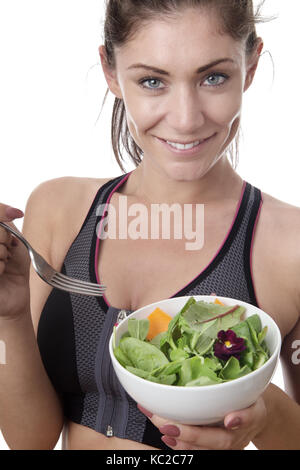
(228,344)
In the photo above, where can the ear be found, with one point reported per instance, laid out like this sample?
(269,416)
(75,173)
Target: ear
(252,64)
(110,74)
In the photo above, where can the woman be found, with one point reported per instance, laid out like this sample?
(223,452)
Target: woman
(178,70)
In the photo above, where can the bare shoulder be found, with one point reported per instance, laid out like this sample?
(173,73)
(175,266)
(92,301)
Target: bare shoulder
(279,247)
(278,234)
(53,203)
(282,207)
(60,192)
(54,214)
(64,189)
(282,220)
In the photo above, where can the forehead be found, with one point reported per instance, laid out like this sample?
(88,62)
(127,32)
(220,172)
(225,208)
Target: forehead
(191,36)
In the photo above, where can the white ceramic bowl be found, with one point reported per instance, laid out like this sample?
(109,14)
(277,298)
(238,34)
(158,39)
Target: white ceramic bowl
(205,404)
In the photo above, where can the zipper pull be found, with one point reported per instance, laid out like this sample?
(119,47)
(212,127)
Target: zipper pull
(121,316)
(109,431)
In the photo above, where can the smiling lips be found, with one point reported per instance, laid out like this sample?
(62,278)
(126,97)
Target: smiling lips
(185,146)
(189,148)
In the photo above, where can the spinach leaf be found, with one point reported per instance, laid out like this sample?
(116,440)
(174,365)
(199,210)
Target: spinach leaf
(247,358)
(139,372)
(259,350)
(202,313)
(255,322)
(261,336)
(163,379)
(167,369)
(253,334)
(156,341)
(213,363)
(193,369)
(203,380)
(138,328)
(178,354)
(265,348)
(242,331)
(203,345)
(142,355)
(190,369)
(122,357)
(232,369)
(173,332)
(260,359)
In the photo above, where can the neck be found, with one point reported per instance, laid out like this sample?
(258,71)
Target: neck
(153,186)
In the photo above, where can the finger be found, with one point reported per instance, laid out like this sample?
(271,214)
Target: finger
(254,416)
(4,253)
(196,436)
(176,444)
(2,267)
(203,436)
(5,237)
(8,213)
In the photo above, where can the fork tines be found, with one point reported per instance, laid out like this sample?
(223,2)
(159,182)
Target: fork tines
(76,285)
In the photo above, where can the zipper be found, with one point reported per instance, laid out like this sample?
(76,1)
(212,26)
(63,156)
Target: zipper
(109,431)
(122,315)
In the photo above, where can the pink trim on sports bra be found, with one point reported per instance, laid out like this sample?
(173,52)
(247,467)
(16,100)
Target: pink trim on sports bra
(215,256)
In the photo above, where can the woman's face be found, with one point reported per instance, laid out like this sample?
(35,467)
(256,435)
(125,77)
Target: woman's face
(196,95)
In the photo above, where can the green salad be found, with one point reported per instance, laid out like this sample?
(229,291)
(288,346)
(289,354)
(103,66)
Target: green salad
(205,344)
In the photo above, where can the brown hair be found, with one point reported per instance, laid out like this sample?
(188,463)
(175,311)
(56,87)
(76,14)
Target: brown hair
(123,18)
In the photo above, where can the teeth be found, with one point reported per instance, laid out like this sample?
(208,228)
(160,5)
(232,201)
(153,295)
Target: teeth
(183,146)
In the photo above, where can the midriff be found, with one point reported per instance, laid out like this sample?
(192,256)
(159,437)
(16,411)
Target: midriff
(78,437)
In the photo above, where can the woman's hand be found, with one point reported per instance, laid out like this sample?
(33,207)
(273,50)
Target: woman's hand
(240,428)
(14,268)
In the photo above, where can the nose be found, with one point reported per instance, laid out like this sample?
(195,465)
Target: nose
(186,112)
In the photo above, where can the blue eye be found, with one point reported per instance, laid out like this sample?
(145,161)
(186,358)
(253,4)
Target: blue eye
(216,79)
(150,80)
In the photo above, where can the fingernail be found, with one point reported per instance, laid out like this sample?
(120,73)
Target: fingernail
(169,441)
(14,242)
(145,412)
(234,424)
(13,212)
(170,430)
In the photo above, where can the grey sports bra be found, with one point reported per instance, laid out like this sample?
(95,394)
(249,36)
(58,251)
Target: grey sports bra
(74,330)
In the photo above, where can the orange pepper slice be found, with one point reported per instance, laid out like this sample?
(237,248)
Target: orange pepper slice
(218,302)
(159,322)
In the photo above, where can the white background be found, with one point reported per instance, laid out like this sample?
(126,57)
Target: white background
(52,87)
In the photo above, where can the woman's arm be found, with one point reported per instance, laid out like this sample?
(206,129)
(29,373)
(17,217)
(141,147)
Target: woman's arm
(282,430)
(273,422)
(31,415)
(30,411)
(278,428)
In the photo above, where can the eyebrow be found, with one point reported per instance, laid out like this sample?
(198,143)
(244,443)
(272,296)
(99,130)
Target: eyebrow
(163,72)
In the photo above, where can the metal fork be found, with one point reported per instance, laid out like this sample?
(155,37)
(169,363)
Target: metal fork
(54,278)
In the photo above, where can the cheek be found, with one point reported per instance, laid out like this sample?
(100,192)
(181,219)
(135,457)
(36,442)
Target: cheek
(225,108)
(141,116)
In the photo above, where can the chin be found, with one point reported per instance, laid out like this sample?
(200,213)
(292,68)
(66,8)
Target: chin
(186,172)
